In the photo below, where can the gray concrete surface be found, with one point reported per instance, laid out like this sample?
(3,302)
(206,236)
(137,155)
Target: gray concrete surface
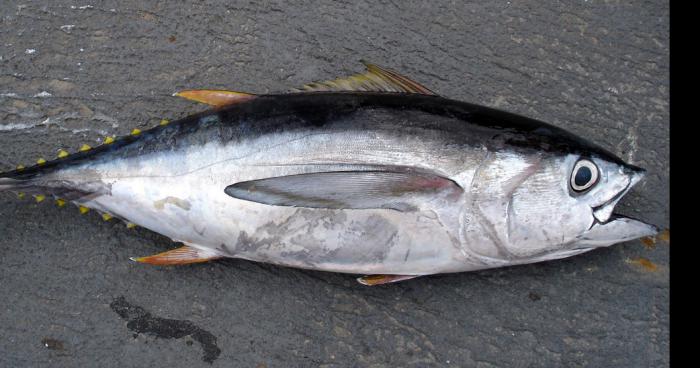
(72,72)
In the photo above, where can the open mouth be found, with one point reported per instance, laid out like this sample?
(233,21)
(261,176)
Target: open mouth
(609,228)
(604,212)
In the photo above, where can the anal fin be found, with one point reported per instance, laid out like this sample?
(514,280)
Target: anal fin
(180,256)
(371,280)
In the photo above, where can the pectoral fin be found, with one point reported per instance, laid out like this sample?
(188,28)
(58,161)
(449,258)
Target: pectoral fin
(215,98)
(179,256)
(372,280)
(401,191)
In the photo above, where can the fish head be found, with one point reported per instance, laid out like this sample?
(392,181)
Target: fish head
(597,184)
(558,205)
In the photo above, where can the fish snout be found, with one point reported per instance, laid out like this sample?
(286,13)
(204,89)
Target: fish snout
(634,175)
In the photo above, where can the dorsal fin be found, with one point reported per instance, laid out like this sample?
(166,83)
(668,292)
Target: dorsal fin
(375,79)
(216,98)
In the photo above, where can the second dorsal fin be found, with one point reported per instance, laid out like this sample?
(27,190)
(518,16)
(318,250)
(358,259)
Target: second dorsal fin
(375,79)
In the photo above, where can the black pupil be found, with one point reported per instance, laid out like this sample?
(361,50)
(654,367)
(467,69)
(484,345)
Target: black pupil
(583,176)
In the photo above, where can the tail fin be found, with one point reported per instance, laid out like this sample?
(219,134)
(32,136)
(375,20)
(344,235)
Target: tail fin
(7,184)
(18,185)
(30,181)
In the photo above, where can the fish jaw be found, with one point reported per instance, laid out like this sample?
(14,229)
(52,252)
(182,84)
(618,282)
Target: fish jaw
(617,229)
(610,228)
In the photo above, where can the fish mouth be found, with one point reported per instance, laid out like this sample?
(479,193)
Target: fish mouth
(610,228)
(603,212)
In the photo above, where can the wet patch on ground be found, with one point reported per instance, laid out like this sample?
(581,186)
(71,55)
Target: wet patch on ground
(141,321)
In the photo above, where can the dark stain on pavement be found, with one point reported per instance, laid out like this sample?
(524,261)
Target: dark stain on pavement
(141,321)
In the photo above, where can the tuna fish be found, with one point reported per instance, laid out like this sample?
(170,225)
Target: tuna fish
(373,174)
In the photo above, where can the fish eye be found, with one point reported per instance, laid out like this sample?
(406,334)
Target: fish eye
(584,175)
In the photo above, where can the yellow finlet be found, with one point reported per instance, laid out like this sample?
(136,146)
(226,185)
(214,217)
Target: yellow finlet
(107,216)
(85,147)
(130,225)
(62,154)
(19,167)
(136,131)
(83,210)
(108,140)
(39,197)
(60,202)
(164,122)
(20,195)
(40,161)
(215,98)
